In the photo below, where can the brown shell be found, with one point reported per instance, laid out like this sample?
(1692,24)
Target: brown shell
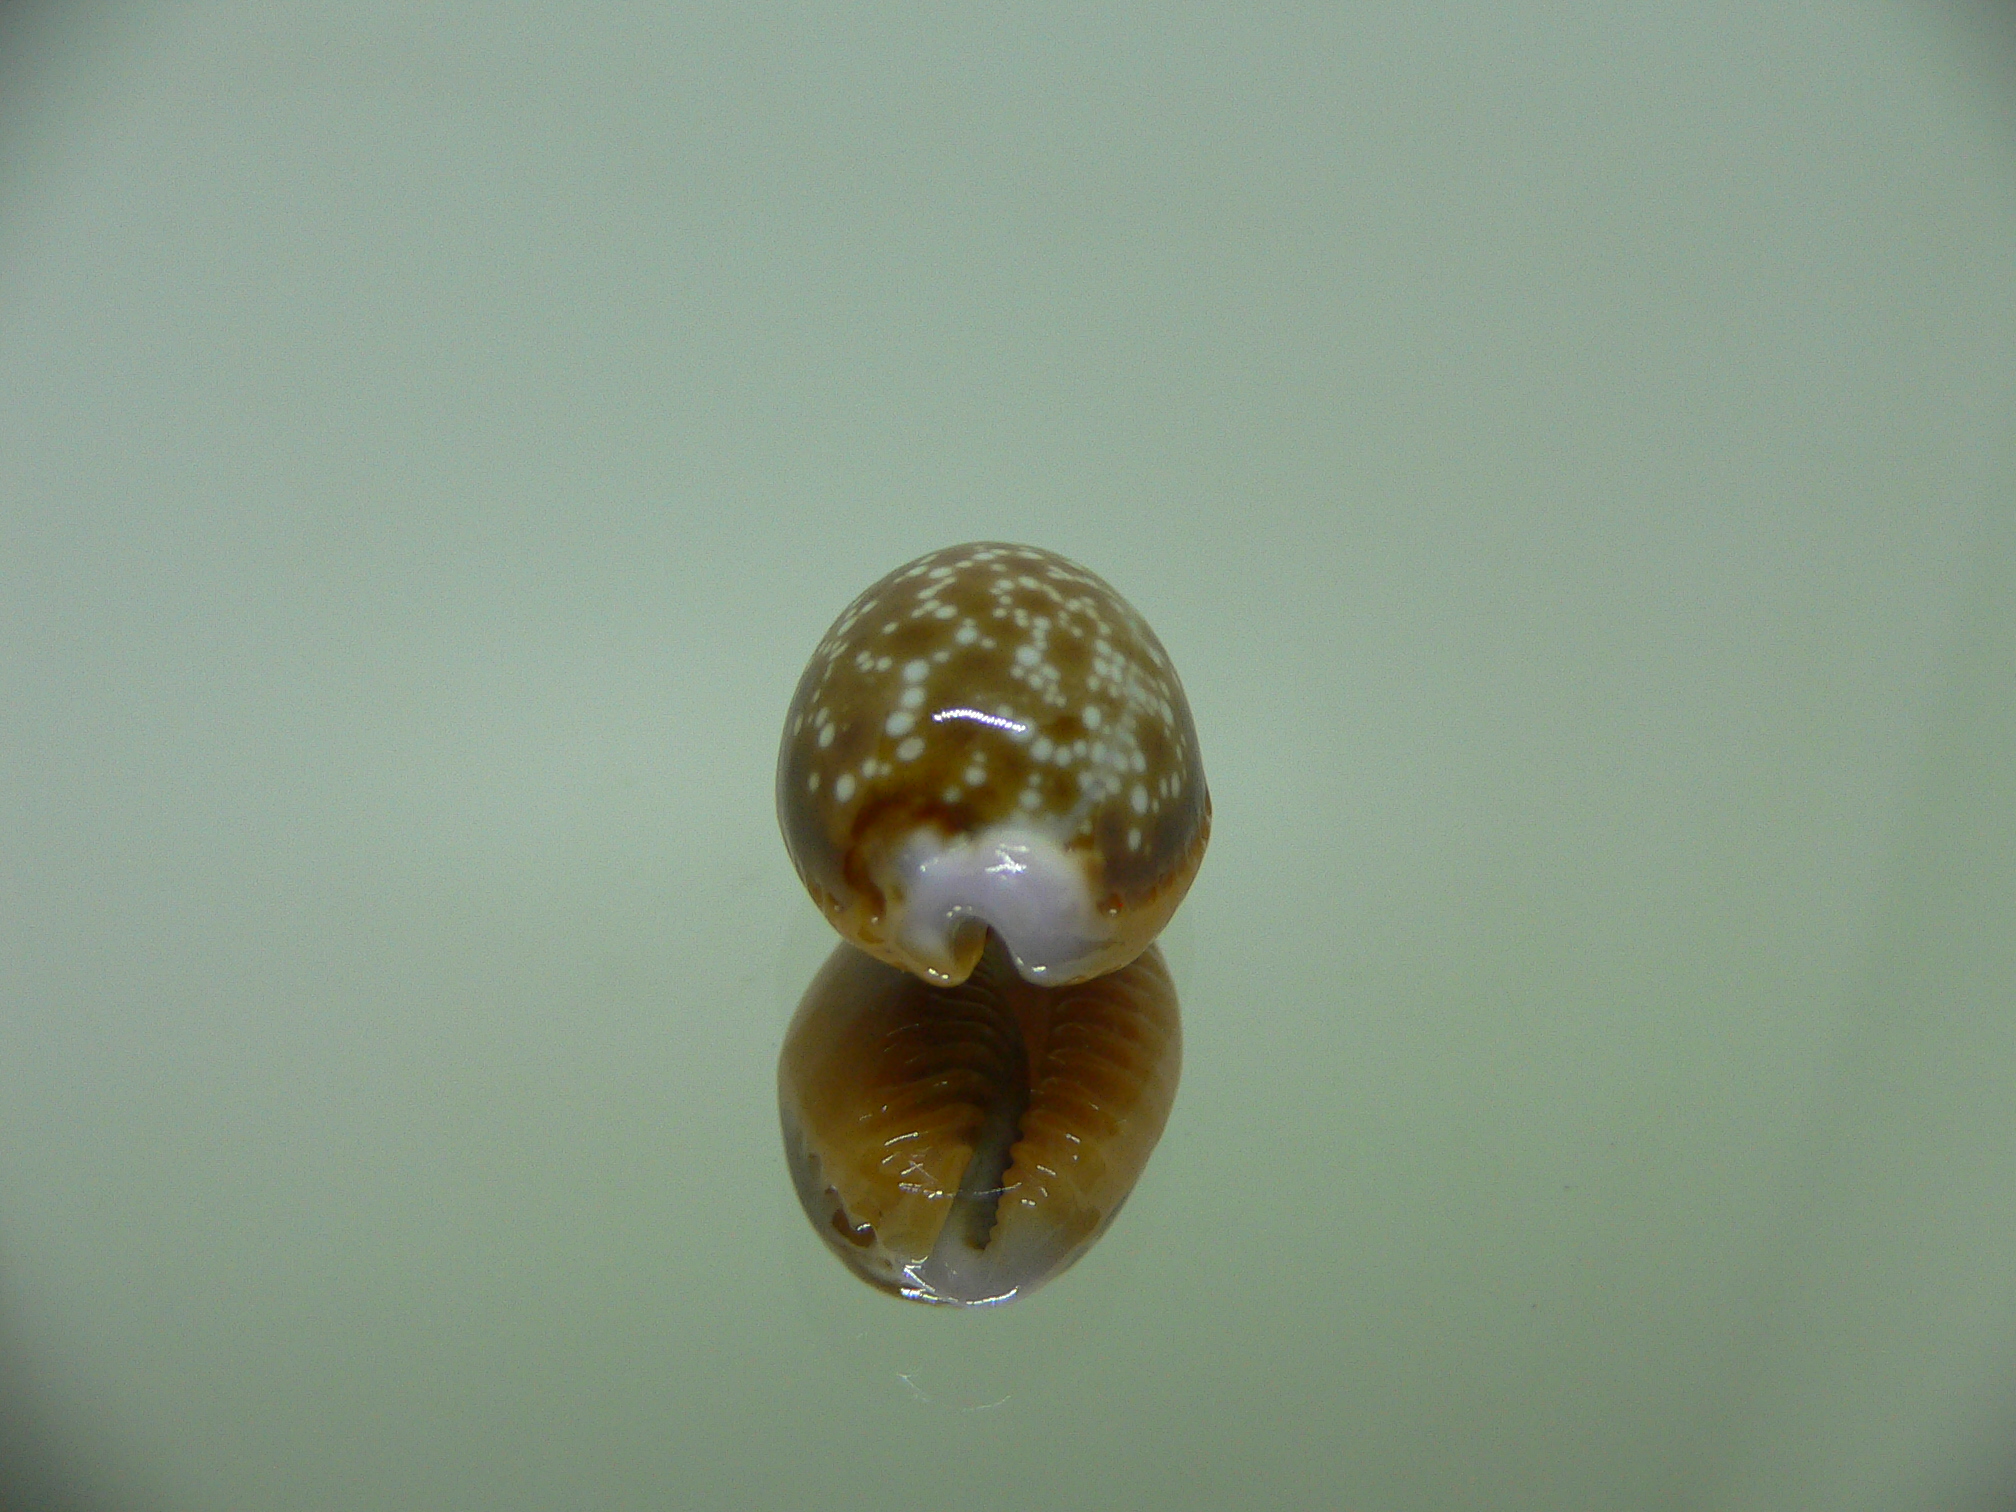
(964,1144)
(980,684)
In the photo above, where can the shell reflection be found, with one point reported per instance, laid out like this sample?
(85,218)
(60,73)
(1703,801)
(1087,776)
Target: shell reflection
(965,1144)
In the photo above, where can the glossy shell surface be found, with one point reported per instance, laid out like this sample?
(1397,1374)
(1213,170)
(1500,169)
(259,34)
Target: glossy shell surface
(965,1144)
(991,738)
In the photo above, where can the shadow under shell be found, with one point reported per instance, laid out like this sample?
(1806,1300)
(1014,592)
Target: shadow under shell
(965,1144)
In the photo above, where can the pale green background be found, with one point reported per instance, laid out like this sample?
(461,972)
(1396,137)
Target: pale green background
(1568,453)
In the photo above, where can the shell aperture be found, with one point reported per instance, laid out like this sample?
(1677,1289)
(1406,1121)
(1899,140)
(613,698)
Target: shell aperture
(991,738)
(965,1144)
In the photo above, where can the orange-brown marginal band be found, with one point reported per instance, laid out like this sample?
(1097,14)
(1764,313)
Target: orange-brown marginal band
(965,1144)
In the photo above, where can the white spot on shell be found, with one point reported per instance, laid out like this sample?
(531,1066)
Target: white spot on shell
(916,671)
(843,788)
(899,723)
(910,749)
(1139,799)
